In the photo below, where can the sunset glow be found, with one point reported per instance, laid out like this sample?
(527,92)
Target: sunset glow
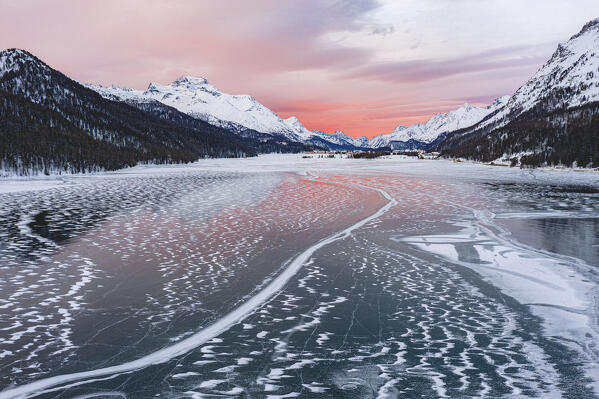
(362,67)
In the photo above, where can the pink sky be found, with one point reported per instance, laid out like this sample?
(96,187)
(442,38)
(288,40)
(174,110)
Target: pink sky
(358,66)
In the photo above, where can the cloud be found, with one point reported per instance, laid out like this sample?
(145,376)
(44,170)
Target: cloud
(383,30)
(430,69)
(136,40)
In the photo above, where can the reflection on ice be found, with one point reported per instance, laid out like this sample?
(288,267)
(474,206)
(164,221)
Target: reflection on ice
(327,278)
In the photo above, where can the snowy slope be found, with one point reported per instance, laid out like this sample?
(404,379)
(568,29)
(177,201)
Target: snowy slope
(52,124)
(570,78)
(300,130)
(12,59)
(198,98)
(427,132)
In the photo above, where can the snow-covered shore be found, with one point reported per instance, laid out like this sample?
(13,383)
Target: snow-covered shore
(296,163)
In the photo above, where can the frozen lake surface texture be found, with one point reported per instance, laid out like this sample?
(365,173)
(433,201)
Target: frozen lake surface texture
(284,277)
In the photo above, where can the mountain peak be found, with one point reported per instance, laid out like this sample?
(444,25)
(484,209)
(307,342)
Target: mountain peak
(11,56)
(16,51)
(189,81)
(14,59)
(151,87)
(295,124)
(592,24)
(568,79)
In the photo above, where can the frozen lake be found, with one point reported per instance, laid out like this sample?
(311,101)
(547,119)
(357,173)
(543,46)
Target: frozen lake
(283,277)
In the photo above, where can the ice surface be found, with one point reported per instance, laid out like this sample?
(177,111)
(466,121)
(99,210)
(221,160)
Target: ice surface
(19,185)
(287,276)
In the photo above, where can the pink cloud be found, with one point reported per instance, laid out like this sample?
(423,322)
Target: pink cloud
(271,49)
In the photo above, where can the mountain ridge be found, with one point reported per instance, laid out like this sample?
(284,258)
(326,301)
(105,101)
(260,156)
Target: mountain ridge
(238,113)
(42,107)
(427,132)
(551,119)
(198,98)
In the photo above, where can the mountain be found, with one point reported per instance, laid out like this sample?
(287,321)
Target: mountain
(196,97)
(336,141)
(552,119)
(422,135)
(53,124)
(241,114)
(569,79)
(341,138)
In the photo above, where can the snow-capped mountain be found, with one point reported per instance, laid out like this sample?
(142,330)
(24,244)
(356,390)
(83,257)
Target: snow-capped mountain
(53,124)
(298,128)
(334,141)
(340,137)
(198,98)
(550,120)
(429,131)
(569,79)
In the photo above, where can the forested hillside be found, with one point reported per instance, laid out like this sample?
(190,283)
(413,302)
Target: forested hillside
(553,119)
(568,137)
(50,123)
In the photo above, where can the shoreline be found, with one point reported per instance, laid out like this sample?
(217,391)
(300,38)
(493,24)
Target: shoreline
(295,163)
